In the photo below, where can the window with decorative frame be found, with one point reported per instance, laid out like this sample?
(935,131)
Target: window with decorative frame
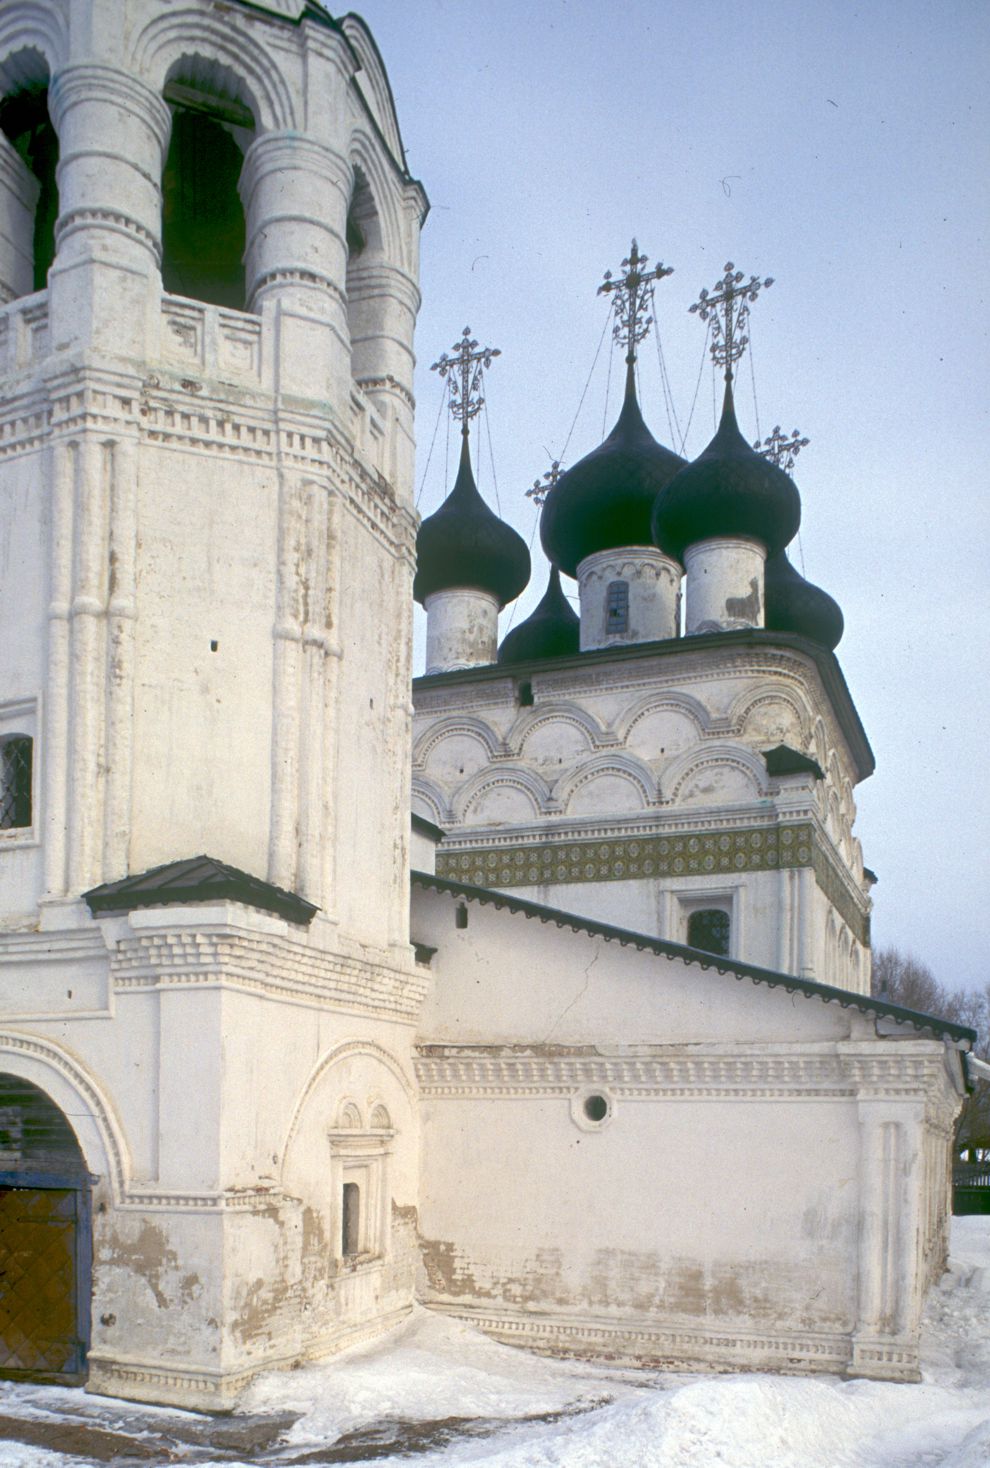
(710,921)
(18,772)
(709,929)
(359,1180)
(16,762)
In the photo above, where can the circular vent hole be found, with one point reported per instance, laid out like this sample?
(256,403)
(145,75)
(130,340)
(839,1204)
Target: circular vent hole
(595,1108)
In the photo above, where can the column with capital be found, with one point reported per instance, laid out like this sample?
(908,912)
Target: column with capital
(113,132)
(295,191)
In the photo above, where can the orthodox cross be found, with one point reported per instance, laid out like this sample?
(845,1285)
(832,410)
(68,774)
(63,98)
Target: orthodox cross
(727,307)
(464,371)
(542,487)
(780,449)
(633,299)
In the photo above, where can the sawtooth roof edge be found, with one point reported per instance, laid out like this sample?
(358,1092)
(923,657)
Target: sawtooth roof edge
(828,993)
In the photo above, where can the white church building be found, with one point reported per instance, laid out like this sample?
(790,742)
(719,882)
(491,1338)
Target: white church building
(585,1052)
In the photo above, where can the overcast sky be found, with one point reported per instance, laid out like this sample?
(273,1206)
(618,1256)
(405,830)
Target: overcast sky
(840,148)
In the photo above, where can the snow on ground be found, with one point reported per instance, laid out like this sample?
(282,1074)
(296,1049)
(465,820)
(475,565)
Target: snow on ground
(532,1412)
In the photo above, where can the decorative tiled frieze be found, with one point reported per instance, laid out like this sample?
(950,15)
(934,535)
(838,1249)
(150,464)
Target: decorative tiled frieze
(852,914)
(689,853)
(649,858)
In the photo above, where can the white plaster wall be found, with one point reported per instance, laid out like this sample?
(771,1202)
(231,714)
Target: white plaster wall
(755,1195)
(24,528)
(203,716)
(567,987)
(684,1213)
(208,1052)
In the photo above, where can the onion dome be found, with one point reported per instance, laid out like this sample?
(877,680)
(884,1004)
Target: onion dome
(605,501)
(551,631)
(729,489)
(795,605)
(463,544)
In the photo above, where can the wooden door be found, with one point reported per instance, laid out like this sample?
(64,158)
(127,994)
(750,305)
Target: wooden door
(42,1232)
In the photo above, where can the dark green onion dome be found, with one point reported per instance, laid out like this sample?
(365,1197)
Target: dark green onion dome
(729,489)
(465,544)
(795,605)
(605,501)
(551,631)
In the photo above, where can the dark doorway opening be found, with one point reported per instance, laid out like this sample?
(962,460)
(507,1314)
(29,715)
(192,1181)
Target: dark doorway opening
(45,1240)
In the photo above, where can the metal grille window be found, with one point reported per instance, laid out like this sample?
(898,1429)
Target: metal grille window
(617,607)
(708,929)
(15,781)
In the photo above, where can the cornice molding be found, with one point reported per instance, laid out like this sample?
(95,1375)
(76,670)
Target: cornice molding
(446,1073)
(680,1346)
(272,966)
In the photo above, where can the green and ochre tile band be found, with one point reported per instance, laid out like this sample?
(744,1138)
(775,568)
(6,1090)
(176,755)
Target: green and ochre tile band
(697,853)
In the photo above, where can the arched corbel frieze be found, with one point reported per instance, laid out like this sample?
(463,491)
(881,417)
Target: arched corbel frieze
(749,776)
(534,794)
(532,721)
(634,774)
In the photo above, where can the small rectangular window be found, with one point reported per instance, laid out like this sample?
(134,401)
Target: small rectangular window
(708,929)
(351,1220)
(617,607)
(15,781)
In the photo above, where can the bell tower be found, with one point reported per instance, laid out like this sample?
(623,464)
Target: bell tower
(208,269)
(215,472)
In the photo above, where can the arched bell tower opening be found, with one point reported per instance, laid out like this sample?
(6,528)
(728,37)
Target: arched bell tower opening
(45,1240)
(365,302)
(203,223)
(28,184)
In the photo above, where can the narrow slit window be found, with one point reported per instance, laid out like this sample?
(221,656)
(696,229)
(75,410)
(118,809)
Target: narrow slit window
(351,1220)
(708,929)
(15,781)
(617,607)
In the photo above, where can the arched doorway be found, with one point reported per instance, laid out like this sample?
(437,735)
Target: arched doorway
(45,1239)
